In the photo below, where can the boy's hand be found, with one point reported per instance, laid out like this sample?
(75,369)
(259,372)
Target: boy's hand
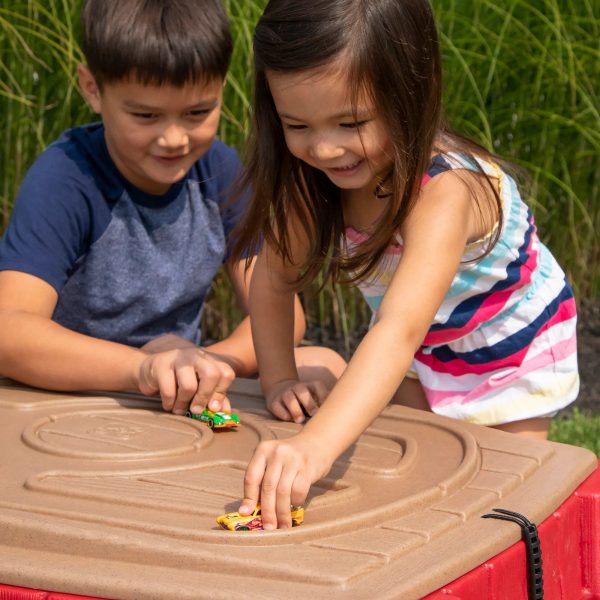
(186,378)
(280,475)
(166,342)
(292,400)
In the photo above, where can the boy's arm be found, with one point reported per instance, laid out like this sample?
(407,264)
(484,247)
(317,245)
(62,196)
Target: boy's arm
(36,350)
(237,349)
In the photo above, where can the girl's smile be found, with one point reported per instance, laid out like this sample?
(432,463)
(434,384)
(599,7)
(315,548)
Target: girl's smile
(320,127)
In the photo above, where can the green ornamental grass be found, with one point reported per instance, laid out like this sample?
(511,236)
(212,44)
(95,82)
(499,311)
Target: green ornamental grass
(521,78)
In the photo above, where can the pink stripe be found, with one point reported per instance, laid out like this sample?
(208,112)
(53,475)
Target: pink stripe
(357,238)
(560,351)
(490,307)
(458,366)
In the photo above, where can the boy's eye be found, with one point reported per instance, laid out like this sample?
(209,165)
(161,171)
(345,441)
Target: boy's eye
(355,125)
(199,114)
(143,115)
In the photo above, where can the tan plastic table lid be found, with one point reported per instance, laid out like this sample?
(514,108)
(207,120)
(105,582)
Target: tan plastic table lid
(106,495)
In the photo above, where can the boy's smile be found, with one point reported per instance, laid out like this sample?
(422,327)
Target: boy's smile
(320,129)
(155,134)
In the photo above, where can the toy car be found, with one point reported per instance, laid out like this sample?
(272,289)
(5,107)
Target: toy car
(233,521)
(216,420)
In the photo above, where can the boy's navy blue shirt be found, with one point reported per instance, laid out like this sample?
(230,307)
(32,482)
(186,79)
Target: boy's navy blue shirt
(127,266)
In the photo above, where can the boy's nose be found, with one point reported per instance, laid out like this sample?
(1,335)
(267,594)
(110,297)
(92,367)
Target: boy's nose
(173,137)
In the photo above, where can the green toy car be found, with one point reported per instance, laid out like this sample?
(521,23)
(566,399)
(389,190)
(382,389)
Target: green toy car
(216,420)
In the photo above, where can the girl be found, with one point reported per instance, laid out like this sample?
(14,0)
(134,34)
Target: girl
(354,171)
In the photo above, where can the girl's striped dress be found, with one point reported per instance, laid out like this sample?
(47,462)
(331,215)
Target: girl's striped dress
(502,346)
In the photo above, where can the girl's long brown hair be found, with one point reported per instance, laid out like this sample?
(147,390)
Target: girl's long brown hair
(392,53)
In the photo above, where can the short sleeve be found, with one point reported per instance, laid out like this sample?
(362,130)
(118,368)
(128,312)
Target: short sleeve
(226,172)
(51,222)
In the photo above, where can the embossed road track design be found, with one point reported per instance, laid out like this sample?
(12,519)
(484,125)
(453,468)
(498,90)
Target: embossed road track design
(105,495)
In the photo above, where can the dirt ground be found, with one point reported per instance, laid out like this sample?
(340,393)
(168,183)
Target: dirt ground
(588,342)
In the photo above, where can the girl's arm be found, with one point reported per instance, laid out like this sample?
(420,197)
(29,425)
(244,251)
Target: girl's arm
(237,349)
(272,309)
(435,234)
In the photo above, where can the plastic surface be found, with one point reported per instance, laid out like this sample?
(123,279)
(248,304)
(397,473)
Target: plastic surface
(107,496)
(570,540)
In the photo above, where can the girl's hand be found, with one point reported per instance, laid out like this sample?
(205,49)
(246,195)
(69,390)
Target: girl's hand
(280,474)
(292,400)
(186,378)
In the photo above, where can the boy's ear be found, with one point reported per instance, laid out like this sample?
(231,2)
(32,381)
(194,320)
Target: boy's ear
(89,88)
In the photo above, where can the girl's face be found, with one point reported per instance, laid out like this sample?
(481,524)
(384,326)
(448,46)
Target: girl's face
(321,130)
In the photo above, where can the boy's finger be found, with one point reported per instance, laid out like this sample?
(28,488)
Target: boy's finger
(214,377)
(226,404)
(217,401)
(208,378)
(187,385)
(167,387)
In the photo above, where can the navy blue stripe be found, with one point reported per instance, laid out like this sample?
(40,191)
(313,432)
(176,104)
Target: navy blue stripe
(464,311)
(510,345)
(438,165)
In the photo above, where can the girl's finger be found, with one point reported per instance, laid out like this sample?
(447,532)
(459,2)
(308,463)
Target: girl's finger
(268,492)
(300,489)
(283,502)
(252,480)
(320,392)
(307,398)
(292,404)
(280,411)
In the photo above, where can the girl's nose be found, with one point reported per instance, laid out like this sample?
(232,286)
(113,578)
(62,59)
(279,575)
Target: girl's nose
(173,137)
(325,150)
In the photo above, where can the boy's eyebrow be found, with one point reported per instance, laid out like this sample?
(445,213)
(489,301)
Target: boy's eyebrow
(204,104)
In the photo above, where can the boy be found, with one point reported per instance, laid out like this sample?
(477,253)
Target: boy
(120,227)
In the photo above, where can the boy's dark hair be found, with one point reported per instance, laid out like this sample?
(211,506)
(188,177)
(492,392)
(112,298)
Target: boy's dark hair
(156,41)
(390,51)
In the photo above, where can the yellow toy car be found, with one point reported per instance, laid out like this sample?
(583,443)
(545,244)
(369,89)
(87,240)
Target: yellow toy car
(233,521)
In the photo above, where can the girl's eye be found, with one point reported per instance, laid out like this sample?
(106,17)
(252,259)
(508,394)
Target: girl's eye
(294,127)
(356,125)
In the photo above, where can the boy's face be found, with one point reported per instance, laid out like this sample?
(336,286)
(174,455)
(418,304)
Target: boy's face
(155,134)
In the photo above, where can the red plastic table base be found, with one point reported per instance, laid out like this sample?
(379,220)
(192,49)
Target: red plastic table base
(570,540)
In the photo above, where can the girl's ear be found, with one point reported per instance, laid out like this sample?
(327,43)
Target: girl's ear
(89,88)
